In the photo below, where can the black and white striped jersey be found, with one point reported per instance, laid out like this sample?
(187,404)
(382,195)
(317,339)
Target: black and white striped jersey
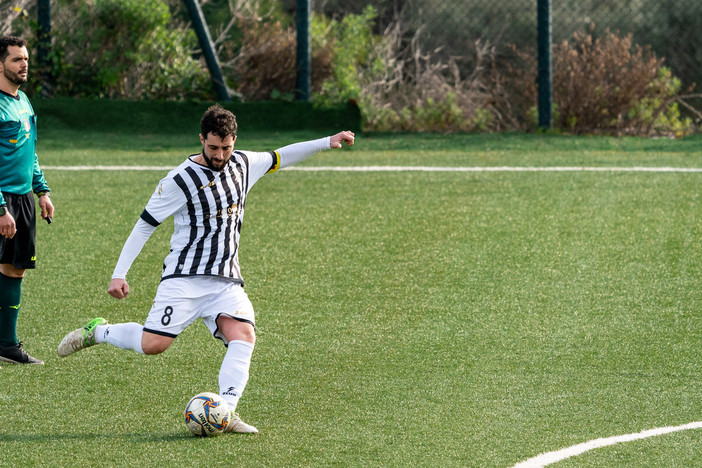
(208,211)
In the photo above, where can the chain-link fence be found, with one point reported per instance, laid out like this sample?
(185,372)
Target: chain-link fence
(607,59)
(672,28)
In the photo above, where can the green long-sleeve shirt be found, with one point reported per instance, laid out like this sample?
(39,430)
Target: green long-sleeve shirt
(19,166)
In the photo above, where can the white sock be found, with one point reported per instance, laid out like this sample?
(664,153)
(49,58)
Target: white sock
(234,372)
(123,335)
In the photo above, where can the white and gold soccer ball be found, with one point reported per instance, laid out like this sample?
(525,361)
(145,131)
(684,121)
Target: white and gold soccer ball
(207,414)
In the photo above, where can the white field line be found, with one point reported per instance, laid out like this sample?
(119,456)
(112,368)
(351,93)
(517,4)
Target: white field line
(108,168)
(407,169)
(552,457)
(495,169)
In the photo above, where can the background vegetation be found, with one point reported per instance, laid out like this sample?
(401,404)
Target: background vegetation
(409,66)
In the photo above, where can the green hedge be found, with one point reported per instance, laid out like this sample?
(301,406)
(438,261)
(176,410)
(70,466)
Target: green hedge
(172,116)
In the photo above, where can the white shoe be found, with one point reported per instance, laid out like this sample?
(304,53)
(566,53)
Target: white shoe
(237,425)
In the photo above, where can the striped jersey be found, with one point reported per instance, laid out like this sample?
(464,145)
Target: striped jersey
(208,212)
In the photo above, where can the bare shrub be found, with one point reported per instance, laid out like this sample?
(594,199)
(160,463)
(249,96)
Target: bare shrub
(262,59)
(416,90)
(598,80)
(605,84)
(266,60)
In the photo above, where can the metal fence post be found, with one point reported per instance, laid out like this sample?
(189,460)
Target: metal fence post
(208,48)
(304,62)
(545,63)
(44,46)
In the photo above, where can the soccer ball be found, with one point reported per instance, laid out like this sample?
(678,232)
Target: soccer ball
(207,414)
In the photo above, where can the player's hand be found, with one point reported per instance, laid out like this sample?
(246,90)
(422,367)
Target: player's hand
(47,208)
(8,228)
(340,137)
(118,288)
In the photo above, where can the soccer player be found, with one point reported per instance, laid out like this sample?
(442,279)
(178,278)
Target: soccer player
(20,175)
(201,277)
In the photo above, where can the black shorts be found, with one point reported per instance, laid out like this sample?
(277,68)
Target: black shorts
(20,251)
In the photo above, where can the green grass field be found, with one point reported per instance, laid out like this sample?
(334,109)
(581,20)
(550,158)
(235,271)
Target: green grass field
(444,319)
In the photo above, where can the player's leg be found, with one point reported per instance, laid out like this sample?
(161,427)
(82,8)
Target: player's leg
(128,336)
(170,314)
(16,256)
(234,372)
(132,336)
(10,300)
(230,317)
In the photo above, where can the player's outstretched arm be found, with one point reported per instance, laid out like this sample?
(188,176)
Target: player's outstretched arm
(293,154)
(345,136)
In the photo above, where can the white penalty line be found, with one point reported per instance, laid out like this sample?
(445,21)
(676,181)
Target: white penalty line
(559,455)
(495,169)
(408,169)
(108,168)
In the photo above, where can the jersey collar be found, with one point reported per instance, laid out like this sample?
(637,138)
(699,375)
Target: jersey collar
(16,98)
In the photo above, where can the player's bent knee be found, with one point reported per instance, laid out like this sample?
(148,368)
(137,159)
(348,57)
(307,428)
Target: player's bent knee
(247,333)
(234,329)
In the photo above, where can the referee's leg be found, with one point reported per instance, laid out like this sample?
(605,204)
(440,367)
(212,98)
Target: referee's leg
(10,301)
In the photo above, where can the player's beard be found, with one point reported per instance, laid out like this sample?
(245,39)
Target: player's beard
(14,78)
(208,161)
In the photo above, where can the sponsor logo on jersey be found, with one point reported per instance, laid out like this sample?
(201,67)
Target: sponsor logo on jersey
(231,209)
(211,184)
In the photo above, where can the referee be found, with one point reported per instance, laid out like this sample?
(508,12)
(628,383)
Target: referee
(201,278)
(20,175)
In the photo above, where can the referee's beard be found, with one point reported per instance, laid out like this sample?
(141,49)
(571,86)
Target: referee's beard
(211,164)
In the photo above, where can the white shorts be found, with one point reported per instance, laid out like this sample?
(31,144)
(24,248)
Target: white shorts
(180,301)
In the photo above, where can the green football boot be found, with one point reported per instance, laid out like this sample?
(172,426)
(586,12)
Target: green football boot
(80,338)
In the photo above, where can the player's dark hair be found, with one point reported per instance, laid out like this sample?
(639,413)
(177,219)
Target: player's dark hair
(6,42)
(218,121)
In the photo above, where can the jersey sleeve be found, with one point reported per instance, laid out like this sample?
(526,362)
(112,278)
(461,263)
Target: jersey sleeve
(135,242)
(38,181)
(293,154)
(166,200)
(261,163)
